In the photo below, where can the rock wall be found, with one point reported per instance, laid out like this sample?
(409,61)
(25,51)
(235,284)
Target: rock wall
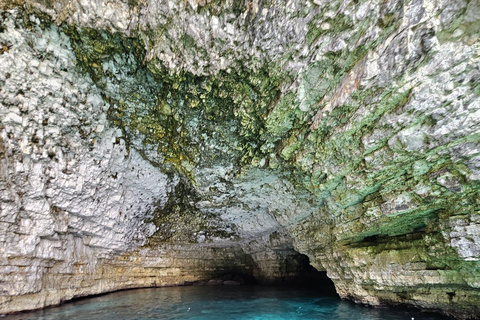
(234,135)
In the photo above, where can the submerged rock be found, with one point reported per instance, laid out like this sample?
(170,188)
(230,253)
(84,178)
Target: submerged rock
(153,143)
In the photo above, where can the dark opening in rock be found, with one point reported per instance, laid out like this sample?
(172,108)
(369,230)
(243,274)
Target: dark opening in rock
(311,277)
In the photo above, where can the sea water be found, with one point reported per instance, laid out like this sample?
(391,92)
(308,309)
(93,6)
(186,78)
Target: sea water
(219,302)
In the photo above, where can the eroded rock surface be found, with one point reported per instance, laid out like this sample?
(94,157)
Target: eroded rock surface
(149,143)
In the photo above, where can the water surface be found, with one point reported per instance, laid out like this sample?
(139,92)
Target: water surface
(219,302)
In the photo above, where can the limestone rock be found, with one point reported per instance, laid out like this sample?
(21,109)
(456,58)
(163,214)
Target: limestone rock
(150,143)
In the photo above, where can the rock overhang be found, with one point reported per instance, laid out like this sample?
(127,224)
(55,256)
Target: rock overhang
(313,123)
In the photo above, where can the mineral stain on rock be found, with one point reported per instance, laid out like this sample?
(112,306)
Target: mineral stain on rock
(147,143)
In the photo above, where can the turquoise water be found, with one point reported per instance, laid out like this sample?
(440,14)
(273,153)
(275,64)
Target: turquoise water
(219,302)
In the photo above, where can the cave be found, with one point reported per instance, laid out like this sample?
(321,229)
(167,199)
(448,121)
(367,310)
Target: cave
(149,144)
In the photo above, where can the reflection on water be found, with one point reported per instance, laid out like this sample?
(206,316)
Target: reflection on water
(219,302)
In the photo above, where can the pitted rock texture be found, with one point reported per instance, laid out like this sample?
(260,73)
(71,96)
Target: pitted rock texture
(134,131)
(84,212)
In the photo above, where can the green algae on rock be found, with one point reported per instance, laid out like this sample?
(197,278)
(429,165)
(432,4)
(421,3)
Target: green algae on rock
(156,143)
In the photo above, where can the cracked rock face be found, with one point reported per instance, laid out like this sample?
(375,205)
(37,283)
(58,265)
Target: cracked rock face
(150,143)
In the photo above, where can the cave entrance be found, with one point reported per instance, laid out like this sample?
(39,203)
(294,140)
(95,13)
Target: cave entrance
(314,279)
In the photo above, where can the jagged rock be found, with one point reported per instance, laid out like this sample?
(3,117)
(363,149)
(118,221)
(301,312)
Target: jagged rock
(151,143)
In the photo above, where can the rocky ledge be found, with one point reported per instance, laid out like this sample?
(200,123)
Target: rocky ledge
(152,143)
